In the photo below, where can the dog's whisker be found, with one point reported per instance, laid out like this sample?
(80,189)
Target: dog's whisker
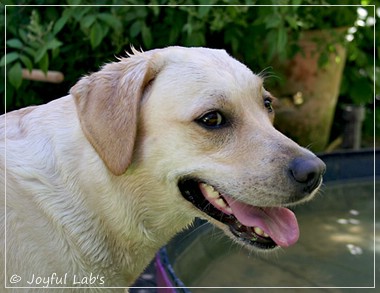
(193,231)
(267,73)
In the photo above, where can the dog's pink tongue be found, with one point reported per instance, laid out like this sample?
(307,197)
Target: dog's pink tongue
(279,223)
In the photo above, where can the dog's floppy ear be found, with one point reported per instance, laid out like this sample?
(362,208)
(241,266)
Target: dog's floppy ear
(108,104)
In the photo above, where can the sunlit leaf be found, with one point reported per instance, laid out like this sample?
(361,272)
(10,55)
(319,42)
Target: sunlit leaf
(147,36)
(15,43)
(9,58)
(88,21)
(53,44)
(15,75)
(44,63)
(96,35)
(58,26)
(135,28)
(111,20)
(40,54)
(27,62)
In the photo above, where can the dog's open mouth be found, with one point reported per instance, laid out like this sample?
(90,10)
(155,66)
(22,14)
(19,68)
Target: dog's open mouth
(262,227)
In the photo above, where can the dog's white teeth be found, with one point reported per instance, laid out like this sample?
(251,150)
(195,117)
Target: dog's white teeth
(221,203)
(211,192)
(215,198)
(229,210)
(260,232)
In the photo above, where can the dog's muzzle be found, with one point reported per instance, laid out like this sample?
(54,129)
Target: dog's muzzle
(260,227)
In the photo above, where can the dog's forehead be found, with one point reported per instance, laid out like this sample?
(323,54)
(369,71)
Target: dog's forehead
(216,58)
(196,79)
(210,66)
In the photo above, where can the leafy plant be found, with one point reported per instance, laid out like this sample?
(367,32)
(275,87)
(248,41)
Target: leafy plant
(33,47)
(78,39)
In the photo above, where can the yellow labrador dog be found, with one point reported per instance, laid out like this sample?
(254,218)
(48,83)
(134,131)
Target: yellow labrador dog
(97,181)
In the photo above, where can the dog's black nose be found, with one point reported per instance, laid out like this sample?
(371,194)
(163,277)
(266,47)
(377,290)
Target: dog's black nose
(307,171)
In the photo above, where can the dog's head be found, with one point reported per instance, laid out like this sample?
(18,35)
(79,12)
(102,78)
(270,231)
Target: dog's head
(200,123)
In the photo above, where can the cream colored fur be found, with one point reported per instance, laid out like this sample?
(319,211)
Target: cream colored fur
(91,178)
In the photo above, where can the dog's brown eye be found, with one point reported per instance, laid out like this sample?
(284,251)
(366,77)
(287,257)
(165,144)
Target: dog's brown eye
(212,119)
(268,104)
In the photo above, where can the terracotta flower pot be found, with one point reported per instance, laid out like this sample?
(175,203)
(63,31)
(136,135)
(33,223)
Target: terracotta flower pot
(312,90)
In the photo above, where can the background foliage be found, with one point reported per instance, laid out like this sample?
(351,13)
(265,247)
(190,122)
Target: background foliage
(79,39)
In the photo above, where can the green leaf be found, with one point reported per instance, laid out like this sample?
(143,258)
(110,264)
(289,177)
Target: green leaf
(15,43)
(78,12)
(96,35)
(141,12)
(195,39)
(323,59)
(156,9)
(292,21)
(23,35)
(128,17)
(273,21)
(15,75)
(174,33)
(111,20)
(55,53)
(44,63)
(40,54)
(27,62)
(362,91)
(203,10)
(271,40)
(53,44)
(9,58)
(88,21)
(282,39)
(30,51)
(135,28)
(58,26)
(232,36)
(188,28)
(235,45)
(105,30)
(147,36)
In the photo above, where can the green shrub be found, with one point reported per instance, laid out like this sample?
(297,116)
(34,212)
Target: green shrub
(79,39)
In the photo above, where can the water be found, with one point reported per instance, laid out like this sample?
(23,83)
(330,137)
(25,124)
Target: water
(336,248)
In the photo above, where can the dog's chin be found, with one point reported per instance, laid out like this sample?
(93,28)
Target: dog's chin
(259,228)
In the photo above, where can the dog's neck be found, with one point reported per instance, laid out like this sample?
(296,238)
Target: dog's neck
(131,235)
(129,229)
